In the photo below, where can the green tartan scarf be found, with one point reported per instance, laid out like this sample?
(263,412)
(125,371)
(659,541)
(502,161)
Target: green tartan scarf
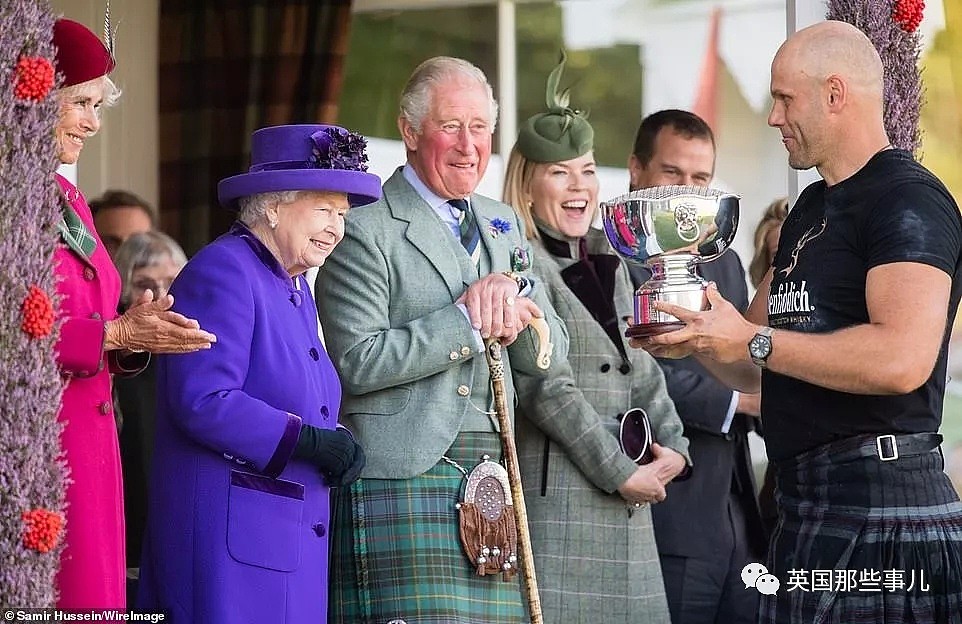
(75,232)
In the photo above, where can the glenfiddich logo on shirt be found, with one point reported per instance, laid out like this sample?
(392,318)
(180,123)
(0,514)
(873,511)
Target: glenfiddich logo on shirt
(789,299)
(811,234)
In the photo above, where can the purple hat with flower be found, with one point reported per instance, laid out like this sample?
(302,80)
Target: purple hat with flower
(304,157)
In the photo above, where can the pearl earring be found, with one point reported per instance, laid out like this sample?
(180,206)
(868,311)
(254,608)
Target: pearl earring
(273,224)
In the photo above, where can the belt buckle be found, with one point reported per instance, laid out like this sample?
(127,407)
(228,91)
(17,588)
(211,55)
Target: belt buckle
(882,455)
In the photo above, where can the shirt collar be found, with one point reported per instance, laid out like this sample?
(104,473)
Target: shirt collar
(430,197)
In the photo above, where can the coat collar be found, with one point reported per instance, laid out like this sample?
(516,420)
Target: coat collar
(429,235)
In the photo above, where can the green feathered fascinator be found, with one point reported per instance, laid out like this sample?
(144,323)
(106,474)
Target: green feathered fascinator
(559,134)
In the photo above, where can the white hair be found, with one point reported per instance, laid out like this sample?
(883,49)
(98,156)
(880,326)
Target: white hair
(109,91)
(416,99)
(253,208)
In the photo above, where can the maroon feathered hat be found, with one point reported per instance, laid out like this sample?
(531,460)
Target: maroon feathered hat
(81,55)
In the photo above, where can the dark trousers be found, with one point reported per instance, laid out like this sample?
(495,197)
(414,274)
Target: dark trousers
(709,590)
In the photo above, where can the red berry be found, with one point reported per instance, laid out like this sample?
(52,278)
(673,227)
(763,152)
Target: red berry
(37,312)
(35,76)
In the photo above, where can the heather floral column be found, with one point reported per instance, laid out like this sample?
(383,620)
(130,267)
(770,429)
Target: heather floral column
(31,473)
(891,25)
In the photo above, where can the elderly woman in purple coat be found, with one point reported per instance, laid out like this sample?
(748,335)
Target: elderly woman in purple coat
(247,440)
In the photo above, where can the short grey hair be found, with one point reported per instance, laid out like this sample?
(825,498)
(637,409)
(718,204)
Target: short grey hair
(253,208)
(416,99)
(143,250)
(109,91)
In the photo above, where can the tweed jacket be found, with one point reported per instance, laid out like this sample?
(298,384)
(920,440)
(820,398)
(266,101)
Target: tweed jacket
(596,562)
(406,354)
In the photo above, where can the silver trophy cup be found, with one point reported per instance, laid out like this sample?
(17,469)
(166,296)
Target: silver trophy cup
(670,229)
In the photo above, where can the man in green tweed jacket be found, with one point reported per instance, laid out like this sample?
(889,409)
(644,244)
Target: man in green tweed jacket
(417,284)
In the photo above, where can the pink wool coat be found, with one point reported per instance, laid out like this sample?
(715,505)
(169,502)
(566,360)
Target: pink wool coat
(92,569)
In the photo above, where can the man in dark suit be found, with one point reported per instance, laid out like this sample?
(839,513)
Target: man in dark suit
(709,526)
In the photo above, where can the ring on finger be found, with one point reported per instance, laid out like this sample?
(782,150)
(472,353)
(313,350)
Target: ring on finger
(509,301)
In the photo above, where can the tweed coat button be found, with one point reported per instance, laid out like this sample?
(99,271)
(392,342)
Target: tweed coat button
(105,408)
(314,354)
(453,355)
(95,316)
(463,390)
(325,412)
(625,368)
(605,367)
(88,274)
(465,350)
(319,529)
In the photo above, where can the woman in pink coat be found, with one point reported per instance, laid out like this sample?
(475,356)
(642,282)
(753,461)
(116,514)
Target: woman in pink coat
(95,342)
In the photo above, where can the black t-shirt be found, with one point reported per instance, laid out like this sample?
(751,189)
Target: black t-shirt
(891,210)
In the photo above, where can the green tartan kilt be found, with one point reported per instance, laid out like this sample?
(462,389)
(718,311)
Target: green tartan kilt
(396,552)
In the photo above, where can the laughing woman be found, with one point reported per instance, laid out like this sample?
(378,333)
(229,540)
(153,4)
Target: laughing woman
(247,444)
(587,504)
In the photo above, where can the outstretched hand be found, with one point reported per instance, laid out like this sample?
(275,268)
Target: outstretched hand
(720,332)
(150,325)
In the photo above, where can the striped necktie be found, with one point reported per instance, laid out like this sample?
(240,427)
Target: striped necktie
(468,226)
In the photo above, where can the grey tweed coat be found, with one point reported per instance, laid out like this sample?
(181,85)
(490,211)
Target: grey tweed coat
(596,561)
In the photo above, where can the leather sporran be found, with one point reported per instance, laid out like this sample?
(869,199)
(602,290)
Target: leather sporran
(489,535)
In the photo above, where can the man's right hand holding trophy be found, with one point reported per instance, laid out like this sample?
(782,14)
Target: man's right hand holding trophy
(671,229)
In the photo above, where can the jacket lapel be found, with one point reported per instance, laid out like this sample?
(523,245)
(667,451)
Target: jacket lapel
(426,232)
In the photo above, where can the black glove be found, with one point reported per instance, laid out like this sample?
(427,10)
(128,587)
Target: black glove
(334,452)
(353,471)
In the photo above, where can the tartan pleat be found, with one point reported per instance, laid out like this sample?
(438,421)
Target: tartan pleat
(865,514)
(396,553)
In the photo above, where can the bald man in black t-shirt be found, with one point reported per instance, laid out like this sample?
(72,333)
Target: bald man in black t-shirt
(848,335)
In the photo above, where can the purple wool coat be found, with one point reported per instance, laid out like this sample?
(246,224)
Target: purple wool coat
(237,529)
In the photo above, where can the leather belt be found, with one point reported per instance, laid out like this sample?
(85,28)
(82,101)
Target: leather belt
(890,447)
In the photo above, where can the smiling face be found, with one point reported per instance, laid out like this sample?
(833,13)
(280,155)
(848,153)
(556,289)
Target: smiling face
(451,151)
(564,195)
(308,229)
(796,112)
(676,159)
(79,118)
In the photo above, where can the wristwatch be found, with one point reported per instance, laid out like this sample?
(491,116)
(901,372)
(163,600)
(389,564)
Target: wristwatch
(760,346)
(521,280)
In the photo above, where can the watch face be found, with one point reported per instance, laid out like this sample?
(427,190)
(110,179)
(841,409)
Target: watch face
(760,347)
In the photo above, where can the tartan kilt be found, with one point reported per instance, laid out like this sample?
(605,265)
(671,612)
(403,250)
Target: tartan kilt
(396,552)
(839,511)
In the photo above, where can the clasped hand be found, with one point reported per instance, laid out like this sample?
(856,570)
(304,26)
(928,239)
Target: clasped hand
(150,325)
(496,310)
(647,483)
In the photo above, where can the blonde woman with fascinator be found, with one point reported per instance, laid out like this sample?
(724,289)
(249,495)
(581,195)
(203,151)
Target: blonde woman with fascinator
(587,500)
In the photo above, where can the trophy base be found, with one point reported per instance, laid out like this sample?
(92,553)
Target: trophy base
(652,329)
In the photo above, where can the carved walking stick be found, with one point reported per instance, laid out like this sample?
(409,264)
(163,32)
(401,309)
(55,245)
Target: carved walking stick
(496,368)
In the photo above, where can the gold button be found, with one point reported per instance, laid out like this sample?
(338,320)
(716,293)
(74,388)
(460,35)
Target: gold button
(463,390)
(453,355)
(465,350)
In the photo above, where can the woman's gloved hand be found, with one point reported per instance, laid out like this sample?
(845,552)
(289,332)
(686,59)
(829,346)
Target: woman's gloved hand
(339,458)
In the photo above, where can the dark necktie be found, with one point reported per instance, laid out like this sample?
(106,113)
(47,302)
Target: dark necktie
(468,227)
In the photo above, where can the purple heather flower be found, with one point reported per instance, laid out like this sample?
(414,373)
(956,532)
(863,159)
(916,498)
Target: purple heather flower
(902,85)
(31,475)
(334,149)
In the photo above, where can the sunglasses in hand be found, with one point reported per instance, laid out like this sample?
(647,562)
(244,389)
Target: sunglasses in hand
(634,436)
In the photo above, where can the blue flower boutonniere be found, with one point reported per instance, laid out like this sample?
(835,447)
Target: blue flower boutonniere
(498,226)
